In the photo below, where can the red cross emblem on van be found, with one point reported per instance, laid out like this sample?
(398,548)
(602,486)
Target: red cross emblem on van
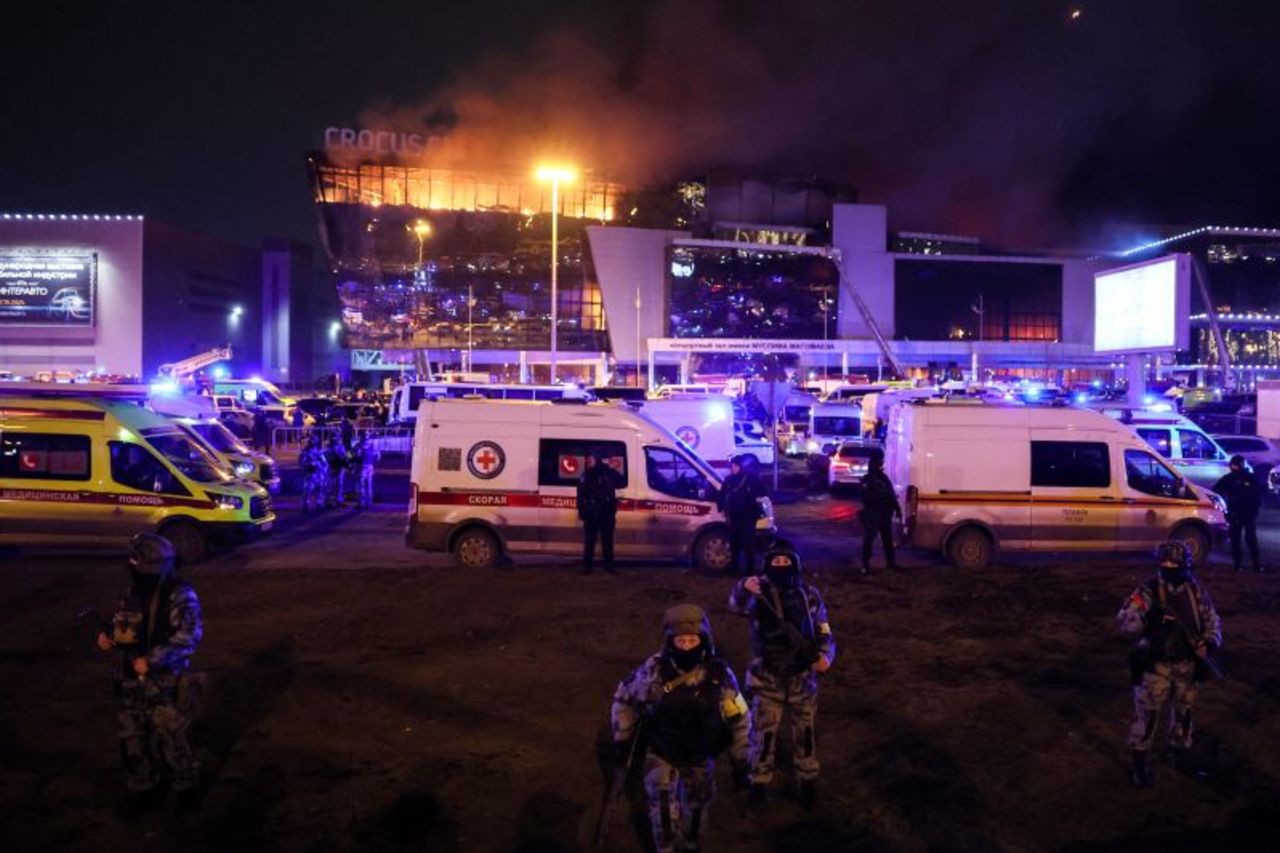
(486,460)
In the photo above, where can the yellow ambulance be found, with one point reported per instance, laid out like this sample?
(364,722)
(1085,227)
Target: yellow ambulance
(95,470)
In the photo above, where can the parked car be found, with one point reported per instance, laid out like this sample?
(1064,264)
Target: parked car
(1262,454)
(849,464)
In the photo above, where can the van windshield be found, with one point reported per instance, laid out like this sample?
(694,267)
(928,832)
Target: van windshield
(837,426)
(188,457)
(220,438)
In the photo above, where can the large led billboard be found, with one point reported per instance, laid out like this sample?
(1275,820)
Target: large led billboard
(47,288)
(1143,307)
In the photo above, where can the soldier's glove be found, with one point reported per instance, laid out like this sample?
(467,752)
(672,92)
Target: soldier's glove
(741,777)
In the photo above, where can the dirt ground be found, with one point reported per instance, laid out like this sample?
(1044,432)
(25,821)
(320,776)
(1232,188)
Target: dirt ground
(368,697)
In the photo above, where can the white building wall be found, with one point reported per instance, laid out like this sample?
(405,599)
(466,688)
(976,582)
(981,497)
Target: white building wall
(626,259)
(861,233)
(114,343)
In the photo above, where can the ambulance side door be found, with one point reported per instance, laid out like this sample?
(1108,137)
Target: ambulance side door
(563,456)
(676,500)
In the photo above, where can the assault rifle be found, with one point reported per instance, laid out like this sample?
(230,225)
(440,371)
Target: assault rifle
(807,648)
(616,785)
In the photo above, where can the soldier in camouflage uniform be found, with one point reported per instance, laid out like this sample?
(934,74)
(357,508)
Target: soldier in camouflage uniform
(338,458)
(688,698)
(1177,628)
(155,632)
(315,473)
(783,675)
(367,456)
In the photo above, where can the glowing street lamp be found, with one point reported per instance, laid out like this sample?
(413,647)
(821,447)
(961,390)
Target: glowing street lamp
(422,228)
(555,175)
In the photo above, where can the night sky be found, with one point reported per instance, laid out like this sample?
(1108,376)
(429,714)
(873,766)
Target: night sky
(1019,121)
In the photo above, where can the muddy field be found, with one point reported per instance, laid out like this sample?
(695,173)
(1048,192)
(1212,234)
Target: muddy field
(371,698)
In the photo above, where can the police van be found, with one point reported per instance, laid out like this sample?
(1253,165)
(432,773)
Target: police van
(95,471)
(494,478)
(974,476)
(1193,453)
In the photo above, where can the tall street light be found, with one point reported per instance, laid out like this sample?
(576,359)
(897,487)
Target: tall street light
(555,175)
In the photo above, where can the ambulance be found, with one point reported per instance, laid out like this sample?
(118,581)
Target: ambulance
(704,424)
(974,476)
(244,462)
(492,478)
(832,424)
(94,471)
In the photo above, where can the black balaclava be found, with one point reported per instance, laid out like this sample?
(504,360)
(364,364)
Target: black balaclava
(687,660)
(782,568)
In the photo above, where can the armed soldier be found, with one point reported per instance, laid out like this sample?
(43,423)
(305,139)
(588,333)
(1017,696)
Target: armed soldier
(689,701)
(739,500)
(155,632)
(315,473)
(598,509)
(879,507)
(791,642)
(1243,493)
(1177,631)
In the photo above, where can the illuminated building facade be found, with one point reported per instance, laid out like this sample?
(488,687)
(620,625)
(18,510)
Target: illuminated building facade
(120,295)
(447,268)
(1242,269)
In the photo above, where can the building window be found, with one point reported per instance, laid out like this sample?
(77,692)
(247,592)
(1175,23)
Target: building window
(941,300)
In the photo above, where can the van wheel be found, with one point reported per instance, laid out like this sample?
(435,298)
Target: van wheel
(711,553)
(476,549)
(969,548)
(1195,540)
(189,543)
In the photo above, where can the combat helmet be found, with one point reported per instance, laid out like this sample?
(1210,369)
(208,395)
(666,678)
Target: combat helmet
(151,554)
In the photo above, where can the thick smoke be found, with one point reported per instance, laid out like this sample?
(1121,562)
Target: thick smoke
(1011,120)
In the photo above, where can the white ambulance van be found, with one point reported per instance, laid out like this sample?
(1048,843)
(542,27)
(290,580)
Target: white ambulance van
(831,425)
(492,478)
(79,471)
(703,423)
(974,476)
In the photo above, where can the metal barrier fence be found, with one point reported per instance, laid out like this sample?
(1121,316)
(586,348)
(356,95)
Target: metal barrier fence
(391,440)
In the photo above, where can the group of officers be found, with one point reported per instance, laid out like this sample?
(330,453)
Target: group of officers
(683,703)
(328,470)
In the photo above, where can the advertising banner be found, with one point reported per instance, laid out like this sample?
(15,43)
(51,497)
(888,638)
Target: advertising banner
(47,288)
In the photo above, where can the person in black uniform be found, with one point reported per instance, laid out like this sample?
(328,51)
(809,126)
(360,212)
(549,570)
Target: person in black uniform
(1243,494)
(598,509)
(879,506)
(739,501)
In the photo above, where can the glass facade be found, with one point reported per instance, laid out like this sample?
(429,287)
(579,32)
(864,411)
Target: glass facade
(941,300)
(740,293)
(432,258)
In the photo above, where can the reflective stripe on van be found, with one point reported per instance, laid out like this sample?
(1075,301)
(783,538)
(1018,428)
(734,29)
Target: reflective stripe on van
(1021,498)
(532,500)
(111,498)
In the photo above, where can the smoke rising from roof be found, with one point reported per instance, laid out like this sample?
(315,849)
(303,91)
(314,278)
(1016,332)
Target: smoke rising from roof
(1011,120)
